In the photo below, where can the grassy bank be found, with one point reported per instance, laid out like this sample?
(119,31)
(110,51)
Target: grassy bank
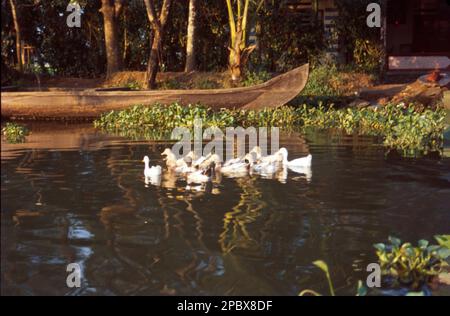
(401,127)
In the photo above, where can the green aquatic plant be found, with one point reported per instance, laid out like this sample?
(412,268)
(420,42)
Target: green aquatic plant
(413,266)
(401,127)
(322,265)
(15,133)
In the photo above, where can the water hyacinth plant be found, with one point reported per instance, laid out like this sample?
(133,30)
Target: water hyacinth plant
(401,127)
(14,133)
(413,266)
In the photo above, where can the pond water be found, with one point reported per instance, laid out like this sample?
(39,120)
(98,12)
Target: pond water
(72,194)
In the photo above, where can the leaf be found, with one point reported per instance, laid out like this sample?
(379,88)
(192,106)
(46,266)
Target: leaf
(423,243)
(324,267)
(421,293)
(395,241)
(361,290)
(443,240)
(443,253)
(321,265)
(380,247)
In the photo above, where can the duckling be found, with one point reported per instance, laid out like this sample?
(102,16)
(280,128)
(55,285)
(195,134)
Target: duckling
(299,162)
(150,172)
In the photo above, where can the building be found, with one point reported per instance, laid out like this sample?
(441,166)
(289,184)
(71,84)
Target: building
(415,33)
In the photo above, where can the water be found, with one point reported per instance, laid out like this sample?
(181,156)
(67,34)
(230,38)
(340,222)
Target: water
(71,194)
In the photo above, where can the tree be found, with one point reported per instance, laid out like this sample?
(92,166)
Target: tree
(190,45)
(18,33)
(239,51)
(111,10)
(158,25)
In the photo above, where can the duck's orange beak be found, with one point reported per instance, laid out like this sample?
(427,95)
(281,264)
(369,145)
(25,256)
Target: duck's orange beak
(142,160)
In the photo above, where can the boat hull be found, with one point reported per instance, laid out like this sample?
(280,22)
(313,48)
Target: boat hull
(89,104)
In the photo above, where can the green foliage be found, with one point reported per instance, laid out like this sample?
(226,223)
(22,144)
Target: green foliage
(14,133)
(362,41)
(253,78)
(411,265)
(322,265)
(319,81)
(133,85)
(207,84)
(367,55)
(171,84)
(400,126)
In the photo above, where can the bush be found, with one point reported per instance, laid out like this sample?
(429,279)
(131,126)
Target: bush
(15,133)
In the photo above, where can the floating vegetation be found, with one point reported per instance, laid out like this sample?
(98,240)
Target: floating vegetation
(401,127)
(413,266)
(14,133)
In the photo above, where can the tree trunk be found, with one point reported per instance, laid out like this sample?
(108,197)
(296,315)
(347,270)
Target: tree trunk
(110,15)
(158,25)
(18,34)
(153,61)
(190,45)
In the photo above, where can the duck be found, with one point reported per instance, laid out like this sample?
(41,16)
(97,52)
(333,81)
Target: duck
(171,160)
(276,157)
(268,167)
(187,167)
(211,159)
(153,171)
(257,151)
(239,168)
(296,163)
(200,176)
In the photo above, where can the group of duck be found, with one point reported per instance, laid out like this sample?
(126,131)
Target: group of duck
(200,170)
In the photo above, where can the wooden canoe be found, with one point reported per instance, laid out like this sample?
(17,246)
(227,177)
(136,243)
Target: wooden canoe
(87,104)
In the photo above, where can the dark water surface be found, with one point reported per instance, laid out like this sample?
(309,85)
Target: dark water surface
(73,195)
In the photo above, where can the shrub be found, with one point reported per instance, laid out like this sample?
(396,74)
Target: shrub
(15,133)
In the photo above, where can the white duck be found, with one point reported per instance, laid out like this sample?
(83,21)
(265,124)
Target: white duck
(255,152)
(268,167)
(276,157)
(153,171)
(171,160)
(187,167)
(200,176)
(237,169)
(211,158)
(296,163)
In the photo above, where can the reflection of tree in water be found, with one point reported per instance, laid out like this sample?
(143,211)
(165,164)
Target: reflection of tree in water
(235,232)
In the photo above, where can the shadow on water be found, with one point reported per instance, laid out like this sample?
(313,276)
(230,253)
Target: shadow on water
(71,194)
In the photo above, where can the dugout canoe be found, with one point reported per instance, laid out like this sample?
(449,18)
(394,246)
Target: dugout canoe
(89,104)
